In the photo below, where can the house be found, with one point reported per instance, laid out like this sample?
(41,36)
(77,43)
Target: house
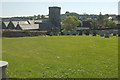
(117,23)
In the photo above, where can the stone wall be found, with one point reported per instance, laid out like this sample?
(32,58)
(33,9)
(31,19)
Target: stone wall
(44,26)
(22,33)
(54,17)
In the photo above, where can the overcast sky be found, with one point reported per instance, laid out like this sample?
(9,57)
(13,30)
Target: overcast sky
(60,0)
(35,7)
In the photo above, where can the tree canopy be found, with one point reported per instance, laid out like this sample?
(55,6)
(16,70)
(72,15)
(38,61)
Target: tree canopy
(100,19)
(70,23)
(42,16)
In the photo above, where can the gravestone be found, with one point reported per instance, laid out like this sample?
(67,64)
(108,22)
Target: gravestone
(110,31)
(65,32)
(101,33)
(94,33)
(68,32)
(107,34)
(3,66)
(118,33)
(51,33)
(91,32)
(56,34)
(73,32)
(83,31)
(61,33)
(97,32)
(80,32)
(114,33)
(48,33)
(87,32)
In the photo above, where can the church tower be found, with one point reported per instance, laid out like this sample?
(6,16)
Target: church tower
(119,11)
(119,8)
(54,17)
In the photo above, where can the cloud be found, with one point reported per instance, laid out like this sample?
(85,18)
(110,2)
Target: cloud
(60,0)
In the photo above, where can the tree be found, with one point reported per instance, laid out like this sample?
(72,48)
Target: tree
(111,24)
(106,22)
(118,17)
(38,16)
(100,19)
(72,14)
(87,23)
(42,16)
(94,24)
(91,23)
(30,17)
(67,12)
(76,20)
(34,16)
(70,23)
(106,15)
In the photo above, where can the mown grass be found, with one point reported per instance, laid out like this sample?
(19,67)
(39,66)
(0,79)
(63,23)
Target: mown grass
(61,57)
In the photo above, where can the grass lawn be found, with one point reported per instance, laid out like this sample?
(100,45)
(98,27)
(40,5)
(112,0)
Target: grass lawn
(61,57)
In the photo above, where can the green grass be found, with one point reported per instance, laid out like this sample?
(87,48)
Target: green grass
(61,57)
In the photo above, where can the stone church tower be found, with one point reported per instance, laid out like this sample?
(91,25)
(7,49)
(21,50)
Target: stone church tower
(119,11)
(54,18)
(119,8)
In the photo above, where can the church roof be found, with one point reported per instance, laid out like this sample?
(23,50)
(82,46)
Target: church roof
(18,27)
(3,25)
(21,25)
(11,25)
(29,26)
(6,23)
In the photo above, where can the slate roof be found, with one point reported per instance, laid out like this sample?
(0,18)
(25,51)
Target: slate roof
(21,25)
(11,25)
(116,21)
(23,22)
(15,23)
(18,27)
(3,25)
(27,25)
(6,23)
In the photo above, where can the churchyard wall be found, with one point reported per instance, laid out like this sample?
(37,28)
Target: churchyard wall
(13,33)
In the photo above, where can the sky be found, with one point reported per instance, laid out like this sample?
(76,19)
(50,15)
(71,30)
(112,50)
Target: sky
(60,0)
(34,7)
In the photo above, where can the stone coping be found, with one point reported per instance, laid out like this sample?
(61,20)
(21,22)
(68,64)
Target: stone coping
(3,64)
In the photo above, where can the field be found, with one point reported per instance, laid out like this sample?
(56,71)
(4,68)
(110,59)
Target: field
(61,57)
